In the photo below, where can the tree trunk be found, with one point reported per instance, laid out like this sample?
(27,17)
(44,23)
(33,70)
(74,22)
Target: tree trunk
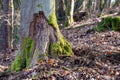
(12,25)
(84,5)
(5,28)
(69,9)
(107,4)
(89,7)
(60,9)
(117,3)
(40,35)
(78,5)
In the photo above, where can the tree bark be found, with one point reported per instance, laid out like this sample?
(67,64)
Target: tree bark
(40,35)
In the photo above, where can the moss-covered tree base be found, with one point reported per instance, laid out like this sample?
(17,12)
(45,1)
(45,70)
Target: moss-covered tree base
(23,60)
(45,39)
(62,47)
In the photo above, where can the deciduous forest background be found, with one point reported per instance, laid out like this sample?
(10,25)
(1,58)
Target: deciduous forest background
(60,39)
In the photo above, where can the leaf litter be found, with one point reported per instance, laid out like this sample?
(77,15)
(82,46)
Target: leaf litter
(97,57)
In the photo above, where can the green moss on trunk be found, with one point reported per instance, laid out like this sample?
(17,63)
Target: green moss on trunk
(23,60)
(53,21)
(62,47)
(17,65)
(52,18)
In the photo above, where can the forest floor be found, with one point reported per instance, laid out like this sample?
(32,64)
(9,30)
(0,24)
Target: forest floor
(97,57)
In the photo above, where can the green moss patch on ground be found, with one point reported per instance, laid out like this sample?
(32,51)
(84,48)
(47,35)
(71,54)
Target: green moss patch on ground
(109,23)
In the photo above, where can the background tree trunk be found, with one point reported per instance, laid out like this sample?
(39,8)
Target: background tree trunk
(40,35)
(69,9)
(60,9)
(117,3)
(78,5)
(5,28)
(12,25)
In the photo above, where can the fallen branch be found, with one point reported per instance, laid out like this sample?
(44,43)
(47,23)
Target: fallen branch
(94,21)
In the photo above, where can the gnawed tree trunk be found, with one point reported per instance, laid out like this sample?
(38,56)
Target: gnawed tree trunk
(40,35)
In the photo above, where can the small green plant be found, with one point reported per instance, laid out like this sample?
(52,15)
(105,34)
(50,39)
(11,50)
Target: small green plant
(108,23)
